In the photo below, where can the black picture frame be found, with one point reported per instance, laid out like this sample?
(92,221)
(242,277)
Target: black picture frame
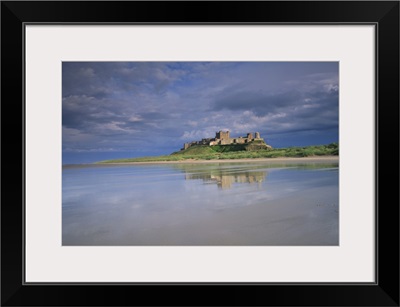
(383,14)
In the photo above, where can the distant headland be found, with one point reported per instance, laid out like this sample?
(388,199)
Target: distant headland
(224,148)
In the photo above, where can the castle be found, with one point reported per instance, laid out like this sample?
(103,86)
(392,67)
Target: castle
(223,138)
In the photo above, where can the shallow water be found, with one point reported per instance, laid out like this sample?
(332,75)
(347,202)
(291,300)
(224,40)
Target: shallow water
(201,204)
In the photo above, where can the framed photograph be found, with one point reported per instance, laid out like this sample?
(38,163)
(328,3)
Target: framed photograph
(241,146)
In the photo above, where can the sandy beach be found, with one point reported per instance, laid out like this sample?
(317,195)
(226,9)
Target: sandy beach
(262,202)
(316,159)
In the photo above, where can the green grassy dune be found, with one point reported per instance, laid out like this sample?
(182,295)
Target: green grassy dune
(239,151)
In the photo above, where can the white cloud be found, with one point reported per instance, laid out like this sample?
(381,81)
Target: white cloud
(115,126)
(192,123)
(135,118)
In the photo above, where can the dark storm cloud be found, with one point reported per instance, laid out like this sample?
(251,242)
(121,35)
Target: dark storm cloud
(102,79)
(311,105)
(260,103)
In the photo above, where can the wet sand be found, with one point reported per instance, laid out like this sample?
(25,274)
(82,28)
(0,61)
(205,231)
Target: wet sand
(289,203)
(324,159)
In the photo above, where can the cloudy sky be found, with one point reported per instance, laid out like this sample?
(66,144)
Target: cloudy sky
(120,109)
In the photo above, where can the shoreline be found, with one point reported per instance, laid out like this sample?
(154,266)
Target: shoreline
(315,159)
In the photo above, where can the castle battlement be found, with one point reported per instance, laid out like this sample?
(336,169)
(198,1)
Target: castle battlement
(223,138)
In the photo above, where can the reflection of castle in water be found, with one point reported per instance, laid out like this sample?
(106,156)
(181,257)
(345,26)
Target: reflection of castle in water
(225,181)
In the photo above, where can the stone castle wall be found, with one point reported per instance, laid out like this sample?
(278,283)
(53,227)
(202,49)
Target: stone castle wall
(223,138)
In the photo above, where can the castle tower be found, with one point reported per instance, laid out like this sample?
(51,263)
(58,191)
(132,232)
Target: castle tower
(249,136)
(222,135)
(257,135)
